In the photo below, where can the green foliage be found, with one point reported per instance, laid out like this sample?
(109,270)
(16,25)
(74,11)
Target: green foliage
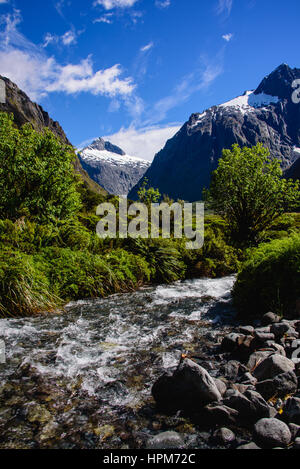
(24,289)
(36,175)
(148,195)
(217,256)
(162,257)
(248,190)
(269,280)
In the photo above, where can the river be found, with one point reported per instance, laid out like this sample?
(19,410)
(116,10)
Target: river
(82,379)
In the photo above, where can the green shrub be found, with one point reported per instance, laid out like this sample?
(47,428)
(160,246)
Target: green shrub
(78,274)
(24,289)
(162,257)
(129,267)
(270,279)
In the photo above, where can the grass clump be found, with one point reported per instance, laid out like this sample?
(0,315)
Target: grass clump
(270,279)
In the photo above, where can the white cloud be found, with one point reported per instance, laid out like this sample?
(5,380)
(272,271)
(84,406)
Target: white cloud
(224,6)
(111,4)
(3,1)
(162,3)
(37,74)
(144,142)
(199,80)
(104,19)
(67,39)
(147,47)
(227,37)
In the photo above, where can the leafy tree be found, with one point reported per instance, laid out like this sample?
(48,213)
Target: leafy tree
(148,195)
(37,179)
(248,190)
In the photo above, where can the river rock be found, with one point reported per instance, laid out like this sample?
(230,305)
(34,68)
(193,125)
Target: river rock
(248,379)
(230,342)
(250,445)
(272,433)
(250,406)
(256,358)
(295,430)
(222,387)
(190,387)
(166,440)
(297,443)
(281,385)
(291,410)
(217,414)
(269,318)
(246,330)
(224,436)
(279,329)
(273,366)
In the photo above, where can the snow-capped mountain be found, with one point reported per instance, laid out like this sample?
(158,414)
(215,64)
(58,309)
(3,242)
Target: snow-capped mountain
(267,115)
(111,167)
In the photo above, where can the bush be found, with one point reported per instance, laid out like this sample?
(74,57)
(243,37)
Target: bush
(24,289)
(162,257)
(37,178)
(270,279)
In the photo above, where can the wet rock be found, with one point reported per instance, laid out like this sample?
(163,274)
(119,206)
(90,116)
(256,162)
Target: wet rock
(222,387)
(190,387)
(217,414)
(38,414)
(291,410)
(256,358)
(295,430)
(50,431)
(166,440)
(262,337)
(272,433)
(233,369)
(297,443)
(231,342)
(279,329)
(273,366)
(246,330)
(249,379)
(224,436)
(250,445)
(281,385)
(250,407)
(269,318)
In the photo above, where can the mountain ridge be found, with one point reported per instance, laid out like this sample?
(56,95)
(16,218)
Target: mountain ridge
(184,166)
(111,167)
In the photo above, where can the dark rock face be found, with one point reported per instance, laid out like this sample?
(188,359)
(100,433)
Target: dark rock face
(109,166)
(267,115)
(26,111)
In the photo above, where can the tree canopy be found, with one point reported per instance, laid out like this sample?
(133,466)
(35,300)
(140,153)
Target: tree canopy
(248,190)
(37,179)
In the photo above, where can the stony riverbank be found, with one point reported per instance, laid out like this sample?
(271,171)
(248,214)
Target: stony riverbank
(125,371)
(254,388)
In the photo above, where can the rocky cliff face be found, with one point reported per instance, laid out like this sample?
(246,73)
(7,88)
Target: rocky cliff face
(24,111)
(110,167)
(268,115)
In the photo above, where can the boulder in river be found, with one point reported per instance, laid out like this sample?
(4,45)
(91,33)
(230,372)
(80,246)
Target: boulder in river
(281,385)
(166,440)
(190,387)
(273,366)
(272,433)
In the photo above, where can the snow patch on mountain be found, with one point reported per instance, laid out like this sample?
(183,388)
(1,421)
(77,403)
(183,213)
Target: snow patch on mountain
(250,101)
(111,167)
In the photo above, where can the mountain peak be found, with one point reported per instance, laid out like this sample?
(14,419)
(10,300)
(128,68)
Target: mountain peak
(100,144)
(279,82)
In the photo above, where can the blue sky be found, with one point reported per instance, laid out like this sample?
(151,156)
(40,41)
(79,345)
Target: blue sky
(134,70)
